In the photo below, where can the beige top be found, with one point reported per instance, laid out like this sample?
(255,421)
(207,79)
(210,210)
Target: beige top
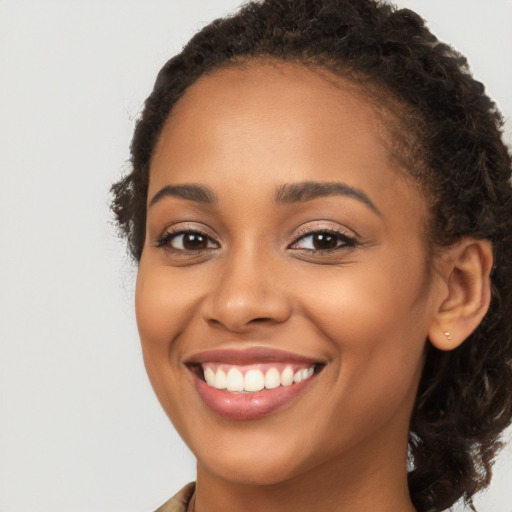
(179,502)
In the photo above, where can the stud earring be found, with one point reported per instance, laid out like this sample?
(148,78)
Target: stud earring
(448,335)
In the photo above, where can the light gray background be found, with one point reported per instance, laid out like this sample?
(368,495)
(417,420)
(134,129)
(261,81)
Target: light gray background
(79,427)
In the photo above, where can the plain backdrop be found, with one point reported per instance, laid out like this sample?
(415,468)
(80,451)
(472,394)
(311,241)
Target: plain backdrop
(80,428)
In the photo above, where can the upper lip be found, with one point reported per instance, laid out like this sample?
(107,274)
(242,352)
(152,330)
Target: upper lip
(249,356)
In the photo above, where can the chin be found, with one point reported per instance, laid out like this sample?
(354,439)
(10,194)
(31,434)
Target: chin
(244,469)
(255,455)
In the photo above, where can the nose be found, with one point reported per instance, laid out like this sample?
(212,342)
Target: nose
(247,293)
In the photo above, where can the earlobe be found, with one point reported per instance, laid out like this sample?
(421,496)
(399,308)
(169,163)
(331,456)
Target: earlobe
(465,269)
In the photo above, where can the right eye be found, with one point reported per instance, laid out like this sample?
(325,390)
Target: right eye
(187,241)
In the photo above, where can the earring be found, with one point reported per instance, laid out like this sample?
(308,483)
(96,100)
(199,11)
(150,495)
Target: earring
(448,335)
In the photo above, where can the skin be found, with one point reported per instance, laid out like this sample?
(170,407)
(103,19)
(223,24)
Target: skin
(363,309)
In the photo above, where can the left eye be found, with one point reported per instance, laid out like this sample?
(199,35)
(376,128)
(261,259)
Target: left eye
(187,241)
(323,241)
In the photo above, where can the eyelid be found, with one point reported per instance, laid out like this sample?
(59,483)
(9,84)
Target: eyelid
(181,229)
(347,237)
(350,238)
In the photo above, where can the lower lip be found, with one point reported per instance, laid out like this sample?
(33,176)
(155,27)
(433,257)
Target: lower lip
(248,406)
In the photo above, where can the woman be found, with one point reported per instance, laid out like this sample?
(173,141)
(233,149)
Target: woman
(320,206)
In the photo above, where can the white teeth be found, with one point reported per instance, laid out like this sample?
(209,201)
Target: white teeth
(272,378)
(287,377)
(254,379)
(220,380)
(235,380)
(209,376)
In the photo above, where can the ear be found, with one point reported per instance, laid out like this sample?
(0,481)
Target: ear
(465,294)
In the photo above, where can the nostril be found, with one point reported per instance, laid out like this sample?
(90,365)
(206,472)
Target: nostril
(234,326)
(261,319)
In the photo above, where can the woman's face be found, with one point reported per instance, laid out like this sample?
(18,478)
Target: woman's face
(282,243)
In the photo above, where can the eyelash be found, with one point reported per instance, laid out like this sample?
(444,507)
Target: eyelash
(164,241)
(344,241)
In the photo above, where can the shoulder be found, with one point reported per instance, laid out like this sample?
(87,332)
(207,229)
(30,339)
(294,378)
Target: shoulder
(179,502)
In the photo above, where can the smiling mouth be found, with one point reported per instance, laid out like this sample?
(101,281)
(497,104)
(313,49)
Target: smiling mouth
(252,383)
(255,377)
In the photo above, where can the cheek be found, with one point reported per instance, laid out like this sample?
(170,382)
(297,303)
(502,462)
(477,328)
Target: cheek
(163,305)
(376,320)
(386,293)
(164,308)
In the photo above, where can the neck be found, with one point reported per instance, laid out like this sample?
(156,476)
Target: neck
(371,478)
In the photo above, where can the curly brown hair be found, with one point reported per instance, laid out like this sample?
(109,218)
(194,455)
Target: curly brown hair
(449,137)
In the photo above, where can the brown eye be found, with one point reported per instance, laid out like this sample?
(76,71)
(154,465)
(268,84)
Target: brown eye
(324,241)
(194,241)
(187,241)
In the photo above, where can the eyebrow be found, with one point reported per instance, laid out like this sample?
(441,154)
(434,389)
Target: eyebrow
(189,191)
(309,190)
(285,194)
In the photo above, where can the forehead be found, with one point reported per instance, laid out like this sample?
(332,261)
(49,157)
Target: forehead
(267,108)
(256,86)
(261,125)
